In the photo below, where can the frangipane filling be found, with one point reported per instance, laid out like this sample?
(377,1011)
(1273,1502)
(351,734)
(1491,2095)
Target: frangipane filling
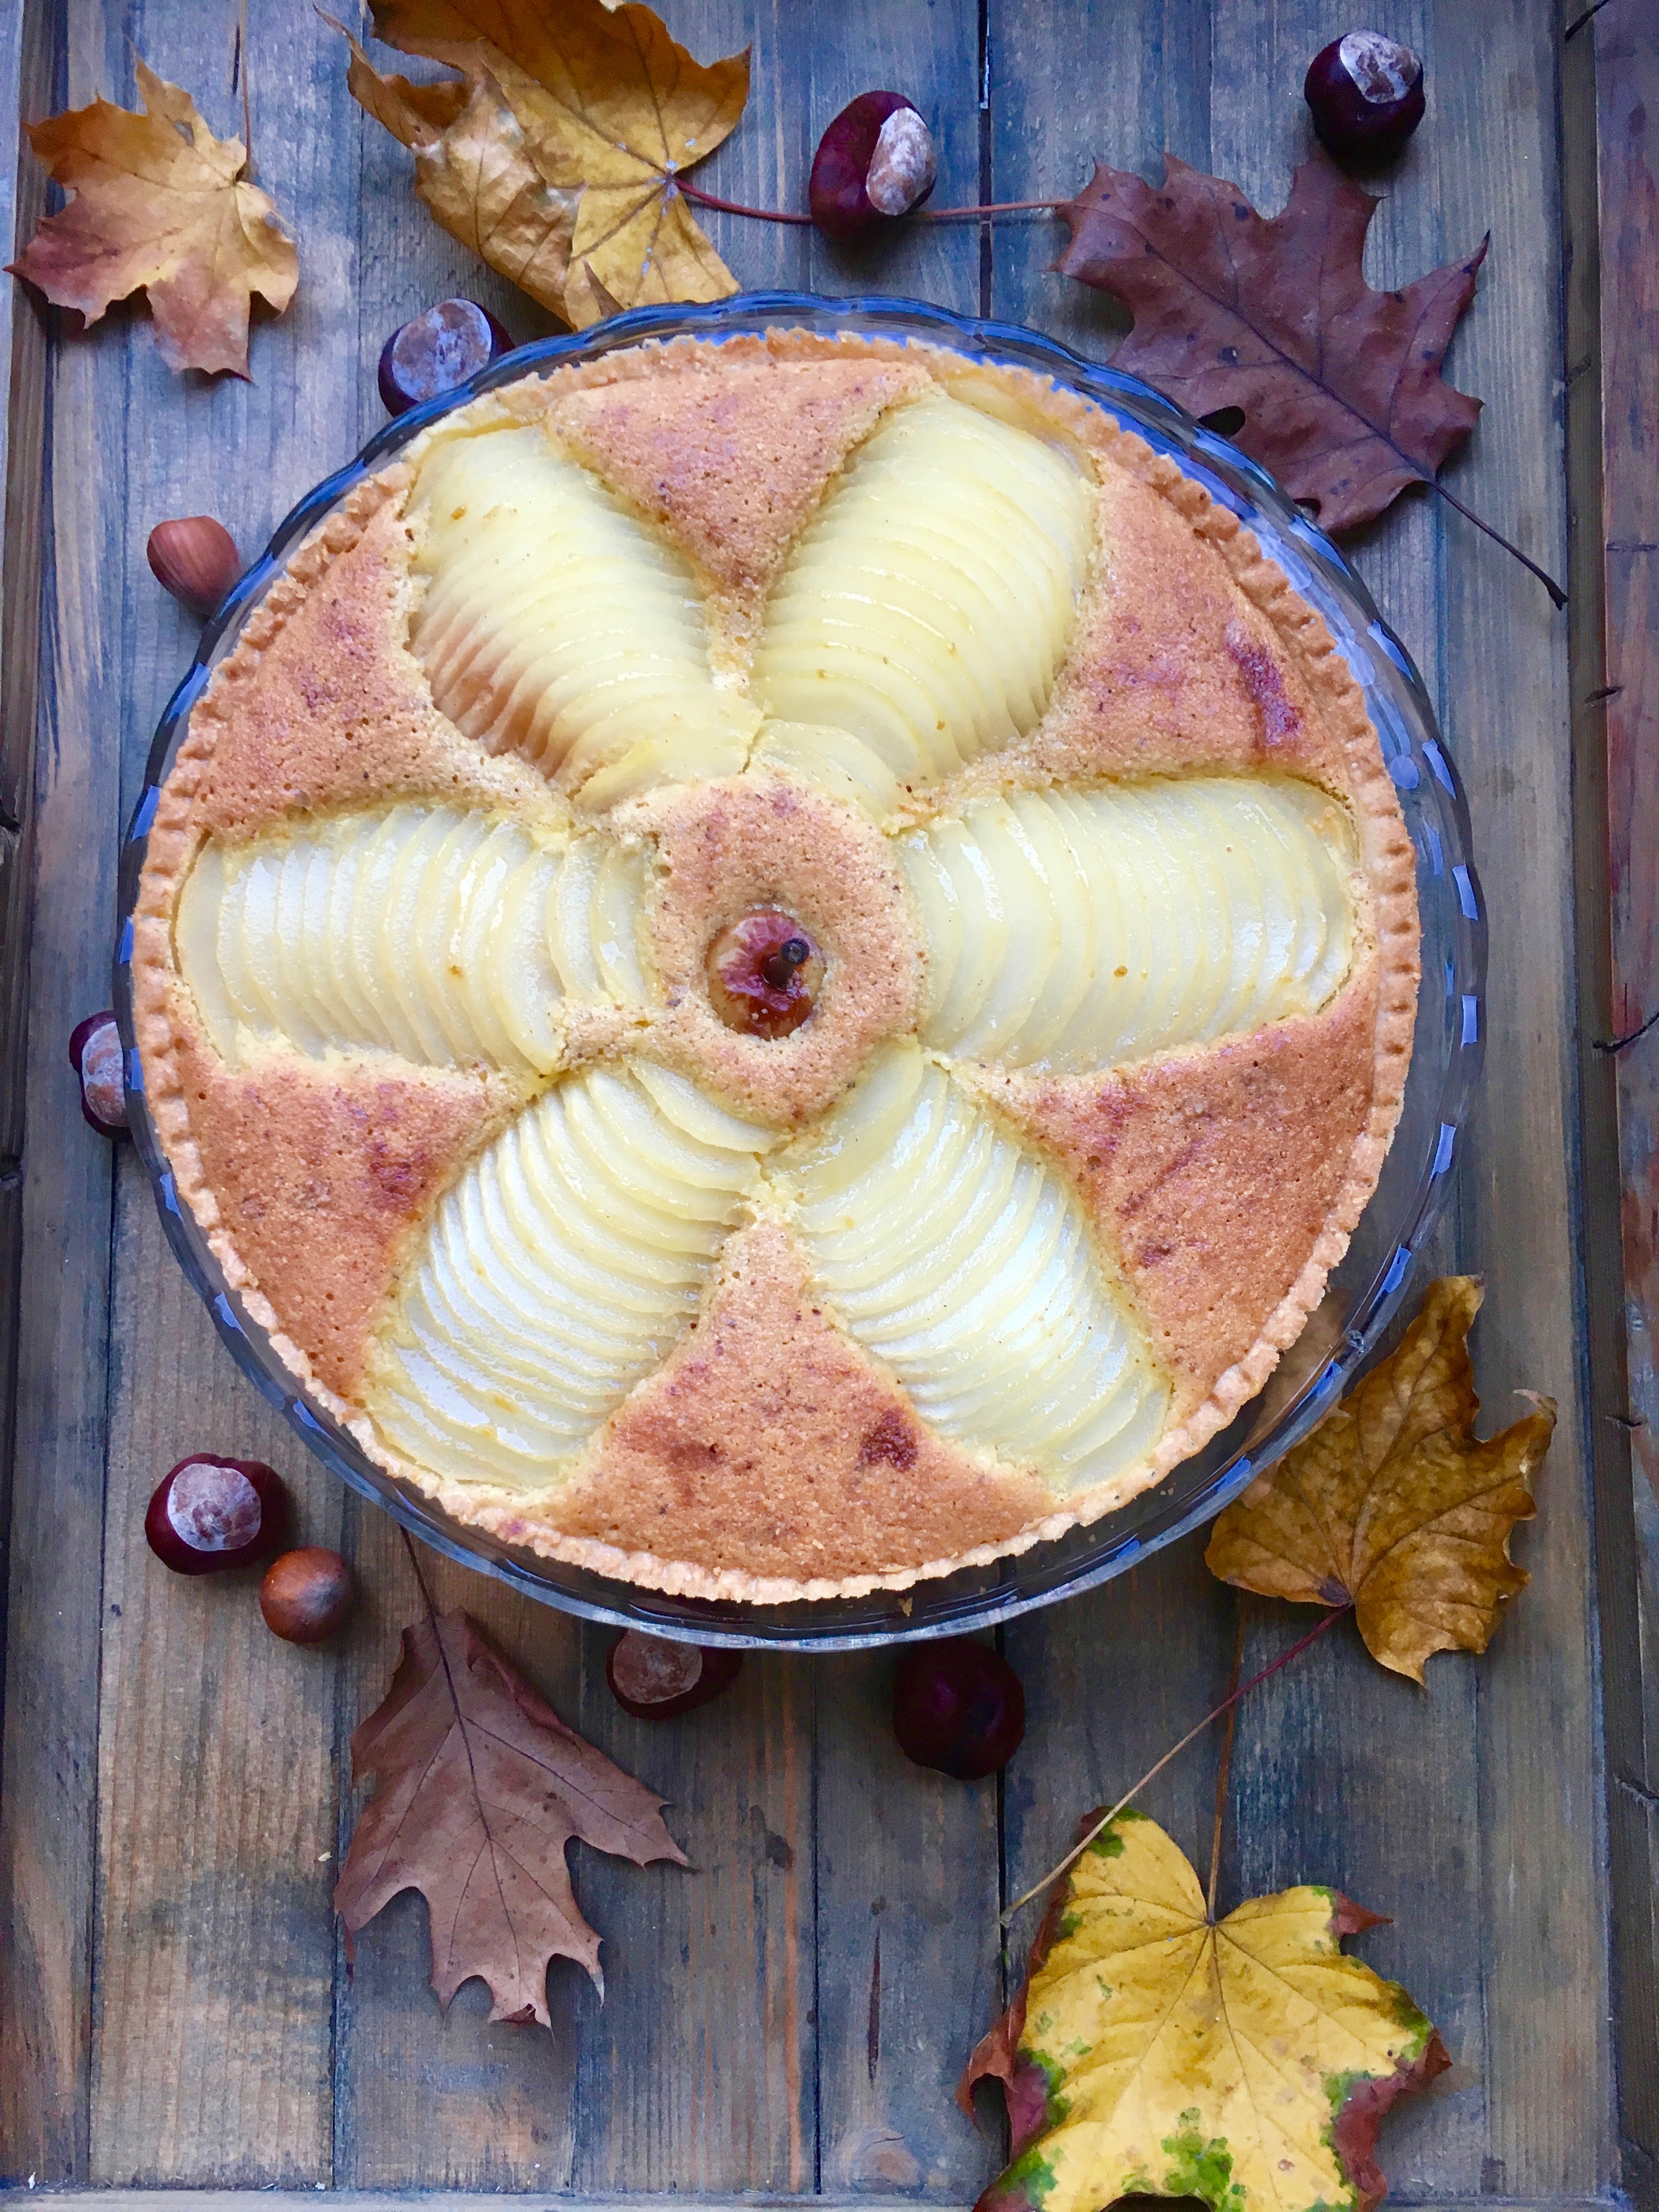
(918,627)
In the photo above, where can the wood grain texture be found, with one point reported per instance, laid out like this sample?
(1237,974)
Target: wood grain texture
(48,1765)
(745,2043)
(1611,92)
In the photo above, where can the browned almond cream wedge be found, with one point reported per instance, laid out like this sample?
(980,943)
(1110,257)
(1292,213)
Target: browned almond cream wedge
(778,966)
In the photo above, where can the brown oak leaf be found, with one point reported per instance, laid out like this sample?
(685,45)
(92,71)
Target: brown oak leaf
(162,205)
(1339,385)
(479,1787)
(1153,2052)
(608,108)
(1393,1504)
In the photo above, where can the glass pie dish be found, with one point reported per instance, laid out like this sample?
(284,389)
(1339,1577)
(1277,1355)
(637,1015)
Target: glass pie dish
(1364,1289)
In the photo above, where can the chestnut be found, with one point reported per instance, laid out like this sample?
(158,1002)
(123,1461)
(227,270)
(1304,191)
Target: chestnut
(1365,92)
(654,1678)
(875,161)
(958,1707)
(307,1594)
(207,1514)
(100,1064)
(436,351)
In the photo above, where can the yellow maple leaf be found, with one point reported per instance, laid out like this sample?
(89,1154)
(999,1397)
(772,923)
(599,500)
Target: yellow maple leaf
(1154,2052)
(473,169)
(160,205)
(609,107)
(1393,1504)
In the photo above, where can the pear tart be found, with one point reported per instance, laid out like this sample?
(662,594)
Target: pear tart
(779,966)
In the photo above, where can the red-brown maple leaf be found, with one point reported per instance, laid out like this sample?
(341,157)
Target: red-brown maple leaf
(479,1787)
(1340,386)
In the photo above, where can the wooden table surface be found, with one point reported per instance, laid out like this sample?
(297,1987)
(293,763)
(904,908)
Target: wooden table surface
(789,2018)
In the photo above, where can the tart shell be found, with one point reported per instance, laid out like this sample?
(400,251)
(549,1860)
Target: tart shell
(770,1459)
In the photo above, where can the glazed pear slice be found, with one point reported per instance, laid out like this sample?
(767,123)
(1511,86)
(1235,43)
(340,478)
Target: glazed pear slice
(930,602)
(440,934)
(556,625)
(966,1266)
(560,1269)
(1080,929)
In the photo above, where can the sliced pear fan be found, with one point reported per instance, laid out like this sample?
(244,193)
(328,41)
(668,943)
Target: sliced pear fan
(929,604)
(559,1271)
(444,936)
(967,1268)
(557,626)
(1082,929)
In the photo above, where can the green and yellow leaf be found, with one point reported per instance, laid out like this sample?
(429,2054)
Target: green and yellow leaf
(1152,2052)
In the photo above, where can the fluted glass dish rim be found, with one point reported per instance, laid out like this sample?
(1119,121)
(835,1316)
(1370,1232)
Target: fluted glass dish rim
(1364,1291)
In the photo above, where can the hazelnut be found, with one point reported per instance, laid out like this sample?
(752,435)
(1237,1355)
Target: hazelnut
(307,1594)
(195,558)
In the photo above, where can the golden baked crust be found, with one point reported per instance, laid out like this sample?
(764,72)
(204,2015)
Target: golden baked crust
(770,1457)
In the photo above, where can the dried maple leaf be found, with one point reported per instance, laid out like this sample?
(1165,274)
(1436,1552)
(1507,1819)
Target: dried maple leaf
(1153,2052)
(1392,1504)
(479,1787)
(473,169)
(162,205)
(1339,385)
(609,107)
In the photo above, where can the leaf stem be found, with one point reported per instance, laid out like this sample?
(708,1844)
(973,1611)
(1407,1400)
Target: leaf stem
(1558,597)
(737,207)
(1337,1614)
(989,208)
(1224,1771)
(923,215)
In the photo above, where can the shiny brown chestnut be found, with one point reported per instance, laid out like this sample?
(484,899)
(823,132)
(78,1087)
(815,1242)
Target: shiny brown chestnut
(1365,93)
(209,1513)
(875,161)
(654,1678)
(437,350)
(100,1064)
(958,1707)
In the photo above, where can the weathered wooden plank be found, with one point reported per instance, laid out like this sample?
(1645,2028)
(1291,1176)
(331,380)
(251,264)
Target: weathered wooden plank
(421,2100)
(1544,1988)
(48,1775)
(217,1807)
(471,2105)
(1610,91)
(217,1787)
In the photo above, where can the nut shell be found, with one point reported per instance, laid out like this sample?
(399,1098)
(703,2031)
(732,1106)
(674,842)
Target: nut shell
(655,1678)
(437,350)
(307,1594)
(209,1514)
(1365,94)
(195,558)
(838,191)
(959,1708)
(100,1064)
